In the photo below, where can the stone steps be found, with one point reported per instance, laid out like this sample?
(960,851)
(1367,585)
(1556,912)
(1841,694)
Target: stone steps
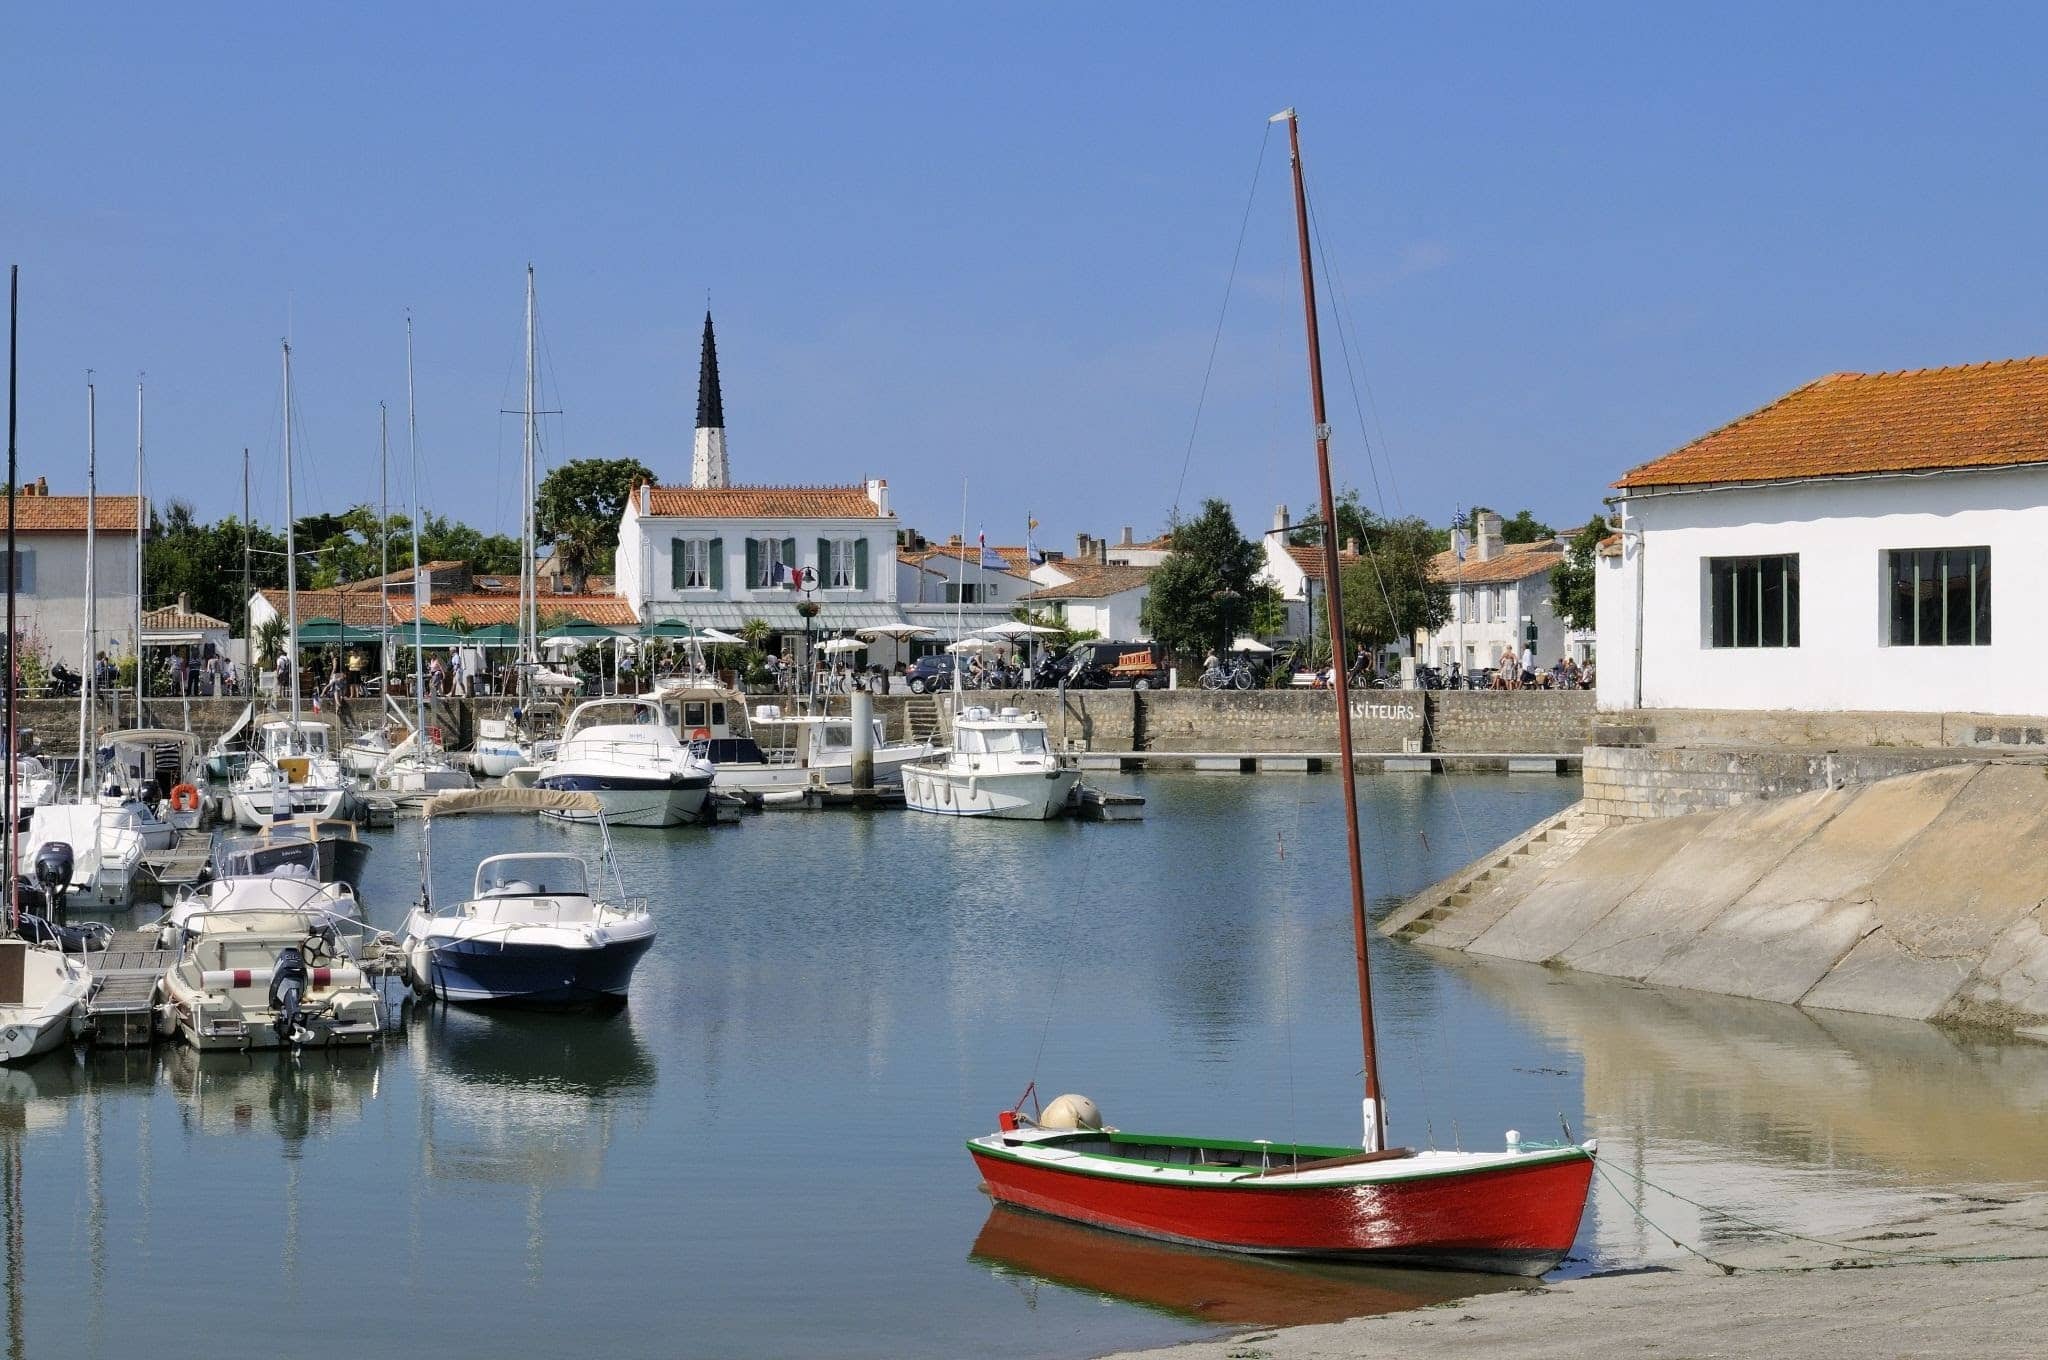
(1547,843)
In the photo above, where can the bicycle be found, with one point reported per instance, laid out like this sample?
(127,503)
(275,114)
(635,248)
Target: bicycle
(1236,675)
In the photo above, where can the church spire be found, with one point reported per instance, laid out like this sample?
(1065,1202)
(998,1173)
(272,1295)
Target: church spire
(710,405)
(707,458)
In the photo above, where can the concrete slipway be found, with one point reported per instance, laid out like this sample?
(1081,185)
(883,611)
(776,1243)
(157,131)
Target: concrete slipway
(1919,896)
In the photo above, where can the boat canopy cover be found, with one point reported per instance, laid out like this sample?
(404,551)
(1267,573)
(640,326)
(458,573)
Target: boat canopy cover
(511,800)
(152,736)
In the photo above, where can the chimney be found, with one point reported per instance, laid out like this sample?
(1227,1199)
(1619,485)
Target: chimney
(1084,547)
(42,486)
(1128,542)
(1101,552)
(952,540)
(878,492)
(1488,536)
(1279,518)
(184,602)
(1351,546)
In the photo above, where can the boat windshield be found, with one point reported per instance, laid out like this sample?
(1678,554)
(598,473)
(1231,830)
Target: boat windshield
(531,876)
(623,713)
(286,739)
(1001,741)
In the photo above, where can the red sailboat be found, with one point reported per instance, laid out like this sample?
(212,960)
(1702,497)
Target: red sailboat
(1514,1211)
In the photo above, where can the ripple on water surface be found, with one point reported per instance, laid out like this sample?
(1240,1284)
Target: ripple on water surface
(761,1155)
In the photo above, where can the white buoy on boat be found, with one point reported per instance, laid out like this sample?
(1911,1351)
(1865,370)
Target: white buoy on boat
(1071,1112)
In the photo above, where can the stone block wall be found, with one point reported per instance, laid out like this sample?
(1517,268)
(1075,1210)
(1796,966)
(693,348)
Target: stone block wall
(1277,720)
(1639,783)
(1537,722)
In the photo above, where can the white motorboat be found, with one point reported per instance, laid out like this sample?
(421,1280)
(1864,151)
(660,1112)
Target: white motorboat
(269,962)
(625,751)
(1002,765)
(291,773)
(770,752)
(149,781)
(41,990)
(106,852)
(528,737)
(286,895)
(362,753)
(34,784)
(532,931)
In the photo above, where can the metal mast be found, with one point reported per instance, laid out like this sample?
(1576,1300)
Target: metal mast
(384,530)
(141,517)
(1375,1109)
(291,552)
(529,602)
(89,682)
(419,597)
(7,807)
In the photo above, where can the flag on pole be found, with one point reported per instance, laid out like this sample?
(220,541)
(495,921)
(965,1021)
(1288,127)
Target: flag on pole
(1461,543)
(1031,552)
(991,560)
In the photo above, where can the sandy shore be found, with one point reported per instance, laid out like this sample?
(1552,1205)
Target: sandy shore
(1997,1308)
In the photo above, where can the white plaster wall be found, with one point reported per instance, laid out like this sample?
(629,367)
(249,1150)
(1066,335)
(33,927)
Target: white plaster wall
(56,611)
(655,537)
(1841,530)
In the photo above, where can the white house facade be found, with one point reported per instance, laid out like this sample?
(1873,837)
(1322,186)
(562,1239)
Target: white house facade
(1500,601)
(718,557)
(949,589)
(1837,551)
(50,573)
(1104,600)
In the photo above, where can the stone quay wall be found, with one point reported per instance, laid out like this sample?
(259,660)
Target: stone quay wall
(1535,722)
(1670,762)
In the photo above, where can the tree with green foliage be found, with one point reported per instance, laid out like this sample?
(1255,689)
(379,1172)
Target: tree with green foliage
(1523,527)
(1388,591)
(204,561)
(1572,580)
(1207,588)
(578,508)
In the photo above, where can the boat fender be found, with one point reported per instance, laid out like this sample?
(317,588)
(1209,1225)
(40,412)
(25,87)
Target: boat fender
(1071,1111)
(185,798)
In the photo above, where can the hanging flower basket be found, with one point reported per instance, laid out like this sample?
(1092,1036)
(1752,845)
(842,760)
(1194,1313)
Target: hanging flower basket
(808,609)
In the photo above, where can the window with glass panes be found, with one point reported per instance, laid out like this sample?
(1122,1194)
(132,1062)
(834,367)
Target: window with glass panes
(1753,601)
(1940,597)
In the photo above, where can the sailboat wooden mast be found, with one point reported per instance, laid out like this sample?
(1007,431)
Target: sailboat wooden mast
(1333,595)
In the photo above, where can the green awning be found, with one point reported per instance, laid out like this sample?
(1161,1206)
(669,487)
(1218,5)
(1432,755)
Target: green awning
(494,635)
(578,628)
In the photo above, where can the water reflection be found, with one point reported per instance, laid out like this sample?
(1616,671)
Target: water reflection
(1813,1119)
(1205,1286)
(296,1096)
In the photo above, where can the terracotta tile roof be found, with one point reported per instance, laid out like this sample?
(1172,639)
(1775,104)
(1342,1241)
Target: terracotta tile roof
(352,609)
(1924,419)
(170,619)
(762,502)
(1609,546)
(1514,562)
(440,574)
(1094,582)
(1310,560)
(1016,561)
(66,514)
(481,611)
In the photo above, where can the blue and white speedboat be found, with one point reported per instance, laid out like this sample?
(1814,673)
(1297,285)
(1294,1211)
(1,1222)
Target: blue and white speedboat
(532,931)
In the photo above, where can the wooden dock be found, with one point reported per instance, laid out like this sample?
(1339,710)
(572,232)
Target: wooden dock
(181,866)
(121,1007)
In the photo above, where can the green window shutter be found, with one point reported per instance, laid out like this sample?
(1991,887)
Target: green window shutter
(825,562)
(860,564)
(677,558)
(789,555)
(753,562)
(718,564)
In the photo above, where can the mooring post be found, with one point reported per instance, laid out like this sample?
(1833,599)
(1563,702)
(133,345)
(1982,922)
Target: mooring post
(863,741)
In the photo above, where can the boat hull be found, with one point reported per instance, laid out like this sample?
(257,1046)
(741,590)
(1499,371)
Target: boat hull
(633,800)
(253,806)
(1517,1218)
(481,972)
(1026,796)
(496,759)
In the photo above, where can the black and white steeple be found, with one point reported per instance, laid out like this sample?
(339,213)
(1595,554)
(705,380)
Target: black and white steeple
(707,461)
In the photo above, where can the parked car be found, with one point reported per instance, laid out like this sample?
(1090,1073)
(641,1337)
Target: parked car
(935,672)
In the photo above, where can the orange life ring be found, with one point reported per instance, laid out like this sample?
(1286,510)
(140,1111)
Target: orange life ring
(185,798)
(700,734)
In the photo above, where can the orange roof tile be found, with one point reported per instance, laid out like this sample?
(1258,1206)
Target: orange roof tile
(438,574)
(66,514)
(1923,419)
(762,502)
(352,609)
(481,611)
(1094,583)
(1016,561)
(172,619)
(1514,562)
(1310,560)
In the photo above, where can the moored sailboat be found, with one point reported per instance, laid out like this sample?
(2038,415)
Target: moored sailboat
(1515,1211)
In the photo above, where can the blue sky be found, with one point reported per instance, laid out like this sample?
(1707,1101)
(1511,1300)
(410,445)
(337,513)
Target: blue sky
(990,241)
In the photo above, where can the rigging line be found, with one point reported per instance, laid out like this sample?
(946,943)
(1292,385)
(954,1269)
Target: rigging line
(1344,346)
(1340,306)
(1352,379)
(1216,341)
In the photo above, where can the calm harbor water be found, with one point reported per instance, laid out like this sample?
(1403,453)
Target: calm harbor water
(762,1155)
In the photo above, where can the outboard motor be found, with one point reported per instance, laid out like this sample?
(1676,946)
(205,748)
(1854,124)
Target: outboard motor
(287,989)
(54,864)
